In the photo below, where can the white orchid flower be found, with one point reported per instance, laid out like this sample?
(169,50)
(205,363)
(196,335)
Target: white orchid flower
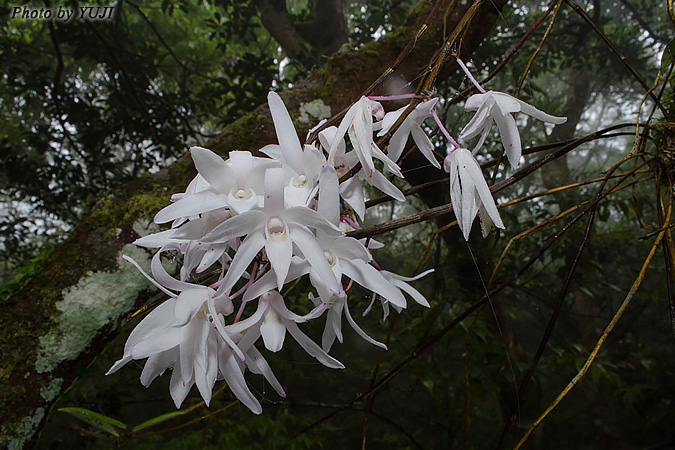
(412,125)
(469,191)
(497,106)
(180,334)
(271,321)
(186,239)
(346,256)
(358,124)
(197,184)
(400,283)
(187,333)
(303,164)
(351,190)
(235,184)
(276,228)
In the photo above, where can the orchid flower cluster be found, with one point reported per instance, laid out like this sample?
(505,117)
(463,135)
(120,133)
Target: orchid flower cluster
(248,226)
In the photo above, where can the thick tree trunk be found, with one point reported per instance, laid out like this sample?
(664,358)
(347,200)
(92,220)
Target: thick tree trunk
(85,292)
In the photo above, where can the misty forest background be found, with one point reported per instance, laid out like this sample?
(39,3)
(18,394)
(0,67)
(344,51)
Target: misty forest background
(95,122)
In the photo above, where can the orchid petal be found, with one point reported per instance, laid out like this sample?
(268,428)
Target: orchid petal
(234,377)
(157,240)
(140,269)
(241,164)
(510,138)
(158,319)
(328,205)
(212,168)
(236,226)
(253,243)
(362,141)
(267,282)
(484,193)
(213,253)
(274,151)
(312,219)
(189,340)
(479,121)
(311,347)
(198,203)
(161,340)
(178,389)
(352,193)
(390,165)
(476,101)
(274,191)
(313,252)
(188,304)
(249,322)
(157,364)
(273,330)
(162,276)
(288,138)
(541,115)
(506,103)
(277,302)
(425,145)
(397,141)
(382,183)
(256,361)
(359,331)
(370,278)
(279,252)
(349,248)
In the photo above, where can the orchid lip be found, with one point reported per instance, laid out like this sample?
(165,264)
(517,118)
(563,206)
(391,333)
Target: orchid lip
(299,182)
(276,229)
(242,194)
(330,257)
(340,167)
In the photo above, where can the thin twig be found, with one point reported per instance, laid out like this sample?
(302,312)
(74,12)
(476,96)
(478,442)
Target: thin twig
(458,319)
(554,316)
(579,10)
(605,334)
(447,208)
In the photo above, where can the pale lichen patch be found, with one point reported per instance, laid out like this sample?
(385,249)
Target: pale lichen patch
(97,299)
(14,436)
(52,390)
(314,110)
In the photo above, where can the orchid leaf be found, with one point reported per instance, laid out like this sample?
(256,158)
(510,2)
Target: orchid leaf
(159,419)
(668,56)
(97,420)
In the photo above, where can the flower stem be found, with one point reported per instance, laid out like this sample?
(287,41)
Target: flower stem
(384,98)
(443,130)
(468,74)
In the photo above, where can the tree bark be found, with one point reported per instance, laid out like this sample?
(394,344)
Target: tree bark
(323,33)
(84,292)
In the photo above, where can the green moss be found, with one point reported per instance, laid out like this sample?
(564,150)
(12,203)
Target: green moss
(117,209)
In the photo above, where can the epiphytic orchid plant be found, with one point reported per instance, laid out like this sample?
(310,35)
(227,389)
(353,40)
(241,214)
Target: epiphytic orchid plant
(262,223)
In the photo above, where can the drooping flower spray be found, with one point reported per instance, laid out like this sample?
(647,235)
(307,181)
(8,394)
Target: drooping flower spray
(259,224)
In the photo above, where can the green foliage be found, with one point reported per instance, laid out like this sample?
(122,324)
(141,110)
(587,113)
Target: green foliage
(369,20)
(24,275)
(87,106)
(97,420)
(158,420)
